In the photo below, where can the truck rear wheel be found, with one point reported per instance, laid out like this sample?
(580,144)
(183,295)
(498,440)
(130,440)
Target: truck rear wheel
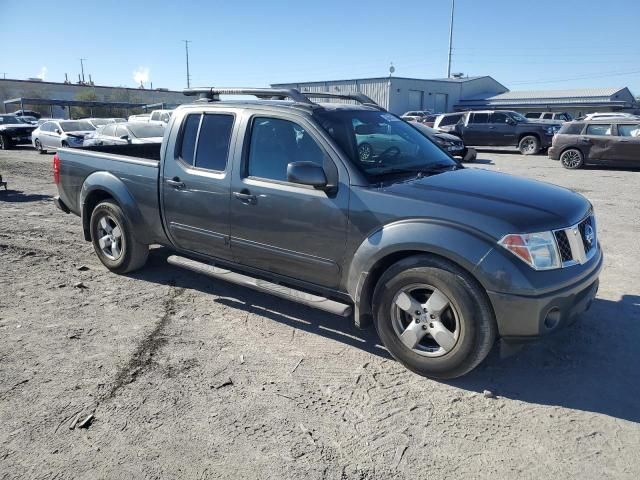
(529,145)
(113,240)
(433,317)
(5,142)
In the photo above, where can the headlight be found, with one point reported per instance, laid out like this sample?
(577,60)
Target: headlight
(538,250)
(552,130)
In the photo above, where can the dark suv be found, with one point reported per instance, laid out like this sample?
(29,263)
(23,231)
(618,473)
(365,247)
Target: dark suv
(502,128)
(607,142)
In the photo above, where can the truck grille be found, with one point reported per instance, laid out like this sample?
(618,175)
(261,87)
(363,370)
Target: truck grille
(577,244)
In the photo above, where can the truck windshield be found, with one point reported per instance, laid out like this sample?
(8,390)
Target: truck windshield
(381,144)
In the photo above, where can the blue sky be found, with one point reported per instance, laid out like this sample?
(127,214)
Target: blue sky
(526,45)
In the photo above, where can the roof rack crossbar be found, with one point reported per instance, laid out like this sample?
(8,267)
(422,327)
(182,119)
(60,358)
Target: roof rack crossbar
(358,97)
(213,93)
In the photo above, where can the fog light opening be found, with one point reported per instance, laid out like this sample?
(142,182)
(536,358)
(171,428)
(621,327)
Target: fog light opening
(552,319)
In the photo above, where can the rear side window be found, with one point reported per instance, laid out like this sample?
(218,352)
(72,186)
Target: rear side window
(189,135)
(532,115)
(571,129)
(213,142)
(599,129)
(499,117)
(275,143)
(450,120)
(547,116)
(632,130)
(479,118)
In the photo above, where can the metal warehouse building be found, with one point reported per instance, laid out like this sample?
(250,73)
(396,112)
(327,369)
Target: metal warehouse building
(576,101)
(399,94)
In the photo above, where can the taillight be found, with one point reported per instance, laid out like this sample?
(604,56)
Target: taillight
(56,169)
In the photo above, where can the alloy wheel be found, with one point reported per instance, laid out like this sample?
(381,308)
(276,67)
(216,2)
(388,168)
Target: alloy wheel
(571,159)
(425,320)
(110,237)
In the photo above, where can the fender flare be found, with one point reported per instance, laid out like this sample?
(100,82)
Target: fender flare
(105,182)
(461,245)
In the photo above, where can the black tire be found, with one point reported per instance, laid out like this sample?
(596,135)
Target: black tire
(5,142)
(572,158)
(475,318)
(39,147)
(529,145)
(133,254)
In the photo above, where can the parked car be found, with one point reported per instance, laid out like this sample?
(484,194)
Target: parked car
(614,142)
(162,116)
(446,122)
(123,133)
(275,196)
(28,120)
(453,145)
(603,115)
(98,122)
(415,115)
(558,116)
(143,117)
(55,134)
(44,120)
(504,128)
(428,120)
(14,132)
(23,113)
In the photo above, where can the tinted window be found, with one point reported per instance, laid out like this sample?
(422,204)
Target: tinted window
(213,142)
(629,130)
(564,116)
(76,125)
(548,116)
(595,129)
(189,134)
(155,116)
(450,120)
(479,118)
(532,115)
(275,143)
(571,129)
(499,118)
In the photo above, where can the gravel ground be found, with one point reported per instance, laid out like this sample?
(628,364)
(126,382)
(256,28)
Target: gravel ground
(191,378)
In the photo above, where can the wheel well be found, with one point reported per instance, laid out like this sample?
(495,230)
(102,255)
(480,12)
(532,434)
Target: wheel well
(531,134)
(366,294)
(93,199)
(572,147)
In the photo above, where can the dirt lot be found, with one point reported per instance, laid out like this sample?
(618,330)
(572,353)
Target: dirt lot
(191,378)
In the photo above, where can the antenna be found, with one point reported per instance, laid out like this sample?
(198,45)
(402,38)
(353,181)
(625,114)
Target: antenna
(186,51)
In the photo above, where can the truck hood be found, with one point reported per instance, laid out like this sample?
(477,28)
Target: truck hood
(495,203)
(17,126)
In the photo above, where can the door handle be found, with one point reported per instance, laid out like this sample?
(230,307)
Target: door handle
(175,182)
(245,197)
(585,140)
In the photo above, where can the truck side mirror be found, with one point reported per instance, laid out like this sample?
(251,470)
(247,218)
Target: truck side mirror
(307,173)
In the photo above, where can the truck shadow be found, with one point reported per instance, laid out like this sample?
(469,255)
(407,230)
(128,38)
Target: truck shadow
(17,196)
(592,366)
(286,312)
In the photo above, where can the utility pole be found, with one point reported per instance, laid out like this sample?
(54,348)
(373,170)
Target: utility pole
(453,6)
(186,50)
(82,67)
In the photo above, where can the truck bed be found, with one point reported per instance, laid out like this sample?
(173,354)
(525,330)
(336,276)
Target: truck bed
(130,171)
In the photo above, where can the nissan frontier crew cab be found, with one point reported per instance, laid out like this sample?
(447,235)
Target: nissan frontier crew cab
(275,194)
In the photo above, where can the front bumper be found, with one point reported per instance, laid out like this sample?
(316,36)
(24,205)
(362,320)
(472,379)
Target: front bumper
(553,153)
(522,318)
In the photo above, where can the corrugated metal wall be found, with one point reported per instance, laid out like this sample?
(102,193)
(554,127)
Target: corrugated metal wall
(376,89)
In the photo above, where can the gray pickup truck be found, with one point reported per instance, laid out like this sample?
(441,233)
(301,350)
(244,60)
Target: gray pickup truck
(274,194)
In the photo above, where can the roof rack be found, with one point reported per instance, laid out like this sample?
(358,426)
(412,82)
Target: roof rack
(212,94)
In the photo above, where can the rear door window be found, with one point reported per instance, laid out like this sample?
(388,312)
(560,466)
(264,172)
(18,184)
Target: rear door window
(632,130)
(479,118)
(213,142)
(547,116)
(532,115)
(188,138)
(599,129)
(499,117)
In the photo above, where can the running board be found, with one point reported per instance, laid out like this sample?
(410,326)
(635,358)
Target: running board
(288,293)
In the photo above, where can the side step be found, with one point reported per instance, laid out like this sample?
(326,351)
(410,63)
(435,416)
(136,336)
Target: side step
(298,296)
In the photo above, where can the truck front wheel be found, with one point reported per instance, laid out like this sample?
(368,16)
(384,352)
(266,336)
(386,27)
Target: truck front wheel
(113,239)
(433,317)
(529,145)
